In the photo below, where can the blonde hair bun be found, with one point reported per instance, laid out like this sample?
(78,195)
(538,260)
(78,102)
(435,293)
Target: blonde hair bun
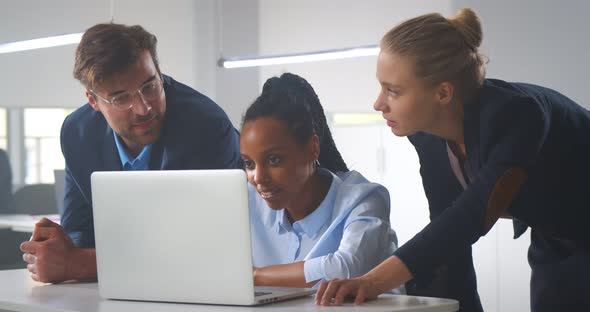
(469,26)
(455,41)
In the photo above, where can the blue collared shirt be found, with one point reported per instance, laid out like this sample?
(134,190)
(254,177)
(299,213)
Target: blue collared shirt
(344,237)
(141,162)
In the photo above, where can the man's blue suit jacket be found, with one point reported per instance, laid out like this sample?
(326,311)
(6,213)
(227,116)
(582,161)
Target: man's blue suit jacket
(196,134)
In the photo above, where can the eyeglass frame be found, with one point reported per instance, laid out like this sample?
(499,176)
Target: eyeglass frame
(138,91)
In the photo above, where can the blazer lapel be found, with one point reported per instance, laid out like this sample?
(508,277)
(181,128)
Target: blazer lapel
(159,157)
(471,133)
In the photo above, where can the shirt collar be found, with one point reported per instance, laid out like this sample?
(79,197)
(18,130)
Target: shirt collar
(314,222)
(282,223)
(141,162)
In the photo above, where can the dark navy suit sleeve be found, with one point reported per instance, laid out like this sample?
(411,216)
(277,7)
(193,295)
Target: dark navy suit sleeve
(76,218)
(512,135)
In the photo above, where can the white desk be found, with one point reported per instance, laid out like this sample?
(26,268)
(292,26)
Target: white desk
(19,293)
(23,223)
(7,220)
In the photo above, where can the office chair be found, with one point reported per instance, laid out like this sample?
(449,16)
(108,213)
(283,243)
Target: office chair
(36,199)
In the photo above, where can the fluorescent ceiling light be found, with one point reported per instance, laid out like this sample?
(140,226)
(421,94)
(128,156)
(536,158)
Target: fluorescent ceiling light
(46,42)
(299,57)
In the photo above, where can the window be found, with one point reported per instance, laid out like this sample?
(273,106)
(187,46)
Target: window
(3,129)
(42,129)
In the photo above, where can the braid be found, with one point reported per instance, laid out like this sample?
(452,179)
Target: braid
(329,157)
(292,99)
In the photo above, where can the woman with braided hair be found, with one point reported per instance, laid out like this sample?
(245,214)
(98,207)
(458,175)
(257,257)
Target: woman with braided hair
(312,218)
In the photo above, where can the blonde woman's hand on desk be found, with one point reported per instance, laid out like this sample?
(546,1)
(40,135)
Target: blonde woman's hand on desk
(336,291)
(53,258)
(390,274)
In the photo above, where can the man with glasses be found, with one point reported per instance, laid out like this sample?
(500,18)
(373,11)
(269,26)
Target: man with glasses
(135,119)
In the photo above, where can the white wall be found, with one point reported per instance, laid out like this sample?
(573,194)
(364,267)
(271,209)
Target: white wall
(543,42)
(237,36)
(188,44)
(43,77)
(307,25)
(174,24)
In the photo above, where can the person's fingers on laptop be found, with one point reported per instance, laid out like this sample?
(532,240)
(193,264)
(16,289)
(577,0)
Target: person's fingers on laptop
(29,258)
(32,268)
(320,292)
(35,277)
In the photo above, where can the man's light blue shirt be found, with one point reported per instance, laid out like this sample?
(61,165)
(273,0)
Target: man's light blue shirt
(141,162)
(346,236)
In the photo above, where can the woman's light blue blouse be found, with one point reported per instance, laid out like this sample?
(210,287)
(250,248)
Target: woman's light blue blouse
(345,237)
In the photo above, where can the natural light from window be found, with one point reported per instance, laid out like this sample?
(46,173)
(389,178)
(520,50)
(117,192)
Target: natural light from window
(42,129)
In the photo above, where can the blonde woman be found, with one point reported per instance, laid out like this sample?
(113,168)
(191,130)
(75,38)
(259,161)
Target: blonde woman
(488,149)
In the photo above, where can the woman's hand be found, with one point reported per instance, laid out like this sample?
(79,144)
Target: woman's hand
(390,274)
(335,291)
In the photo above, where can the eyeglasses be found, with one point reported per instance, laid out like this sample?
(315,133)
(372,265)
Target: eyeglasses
(148,92)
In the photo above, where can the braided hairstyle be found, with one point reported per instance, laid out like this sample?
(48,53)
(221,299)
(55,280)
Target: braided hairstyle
(292,100)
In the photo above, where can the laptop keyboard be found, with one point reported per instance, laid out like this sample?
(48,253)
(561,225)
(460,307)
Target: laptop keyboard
(261,293)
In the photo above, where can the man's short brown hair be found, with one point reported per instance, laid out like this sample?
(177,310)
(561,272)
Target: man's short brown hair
(107,49)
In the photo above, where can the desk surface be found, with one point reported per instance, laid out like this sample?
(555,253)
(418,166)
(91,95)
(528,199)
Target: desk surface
(19,293)
(23,223)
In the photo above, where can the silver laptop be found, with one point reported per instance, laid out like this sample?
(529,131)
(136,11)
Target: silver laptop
(177,236)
